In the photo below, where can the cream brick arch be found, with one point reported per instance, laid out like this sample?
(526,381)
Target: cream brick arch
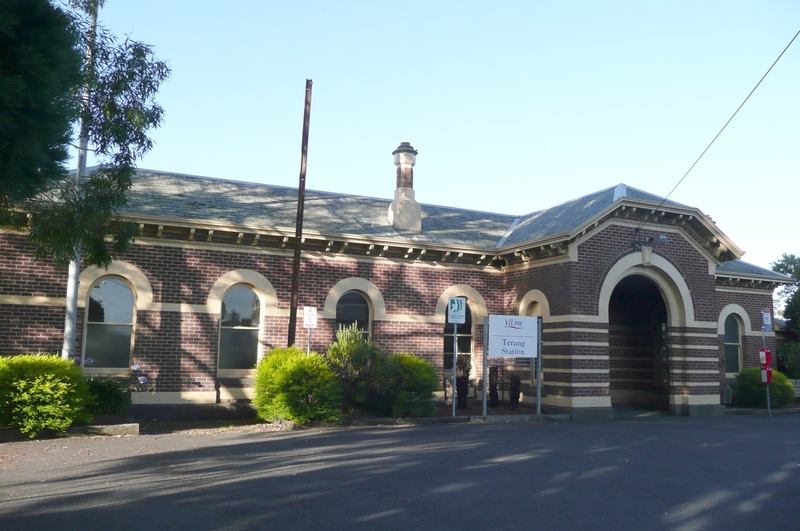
(664,275)
(262,286)
(532,296)
(362,286)
(142,290)
(476,303)
(741,313)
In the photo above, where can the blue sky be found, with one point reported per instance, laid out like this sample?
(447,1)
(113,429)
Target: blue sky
(513,106)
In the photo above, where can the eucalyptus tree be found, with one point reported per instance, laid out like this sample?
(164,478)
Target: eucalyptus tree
(107,92)
(789,264)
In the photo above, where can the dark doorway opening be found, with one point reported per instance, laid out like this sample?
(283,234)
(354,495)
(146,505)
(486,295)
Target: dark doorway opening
(637,338)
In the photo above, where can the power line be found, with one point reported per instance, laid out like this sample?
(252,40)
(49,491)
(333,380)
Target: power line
(723,127)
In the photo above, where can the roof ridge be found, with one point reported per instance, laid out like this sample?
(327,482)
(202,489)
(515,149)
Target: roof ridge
(508,232)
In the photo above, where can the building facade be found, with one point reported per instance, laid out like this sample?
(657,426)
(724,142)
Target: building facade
(643,301)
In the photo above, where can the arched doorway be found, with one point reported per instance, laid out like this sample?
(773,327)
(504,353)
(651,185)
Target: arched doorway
(637,339)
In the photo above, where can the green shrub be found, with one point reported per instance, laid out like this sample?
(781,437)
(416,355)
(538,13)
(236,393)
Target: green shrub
(40,391)
(749,391)
(296,386)
(109,397)
(362,368)
(789,359)
(412,384)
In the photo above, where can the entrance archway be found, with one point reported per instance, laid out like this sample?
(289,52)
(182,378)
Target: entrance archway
(637,339)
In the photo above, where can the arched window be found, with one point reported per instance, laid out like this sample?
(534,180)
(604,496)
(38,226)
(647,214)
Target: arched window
(733,345)
(353,308)
(109,325)
(534,309)
(239,326)
(463,336)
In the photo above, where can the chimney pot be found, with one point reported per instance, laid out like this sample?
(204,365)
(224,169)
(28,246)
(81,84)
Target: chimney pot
(404,212)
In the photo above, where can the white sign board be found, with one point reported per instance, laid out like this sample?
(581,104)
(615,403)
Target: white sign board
(512,336)
(457,310)
(309,317)
(766,320)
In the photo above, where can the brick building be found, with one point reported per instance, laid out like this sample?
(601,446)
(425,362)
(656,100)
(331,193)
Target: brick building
(643,301)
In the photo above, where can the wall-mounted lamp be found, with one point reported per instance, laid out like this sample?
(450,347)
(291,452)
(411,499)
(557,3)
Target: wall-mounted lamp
(651,241)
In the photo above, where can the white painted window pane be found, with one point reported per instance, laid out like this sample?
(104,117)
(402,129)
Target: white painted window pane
(731,330)
(111,301)
(240,307)
(238,348)
(351,309)
(732,358)
(108,346)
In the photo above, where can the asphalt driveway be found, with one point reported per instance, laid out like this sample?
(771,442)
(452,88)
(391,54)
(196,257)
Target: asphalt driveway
(640,472)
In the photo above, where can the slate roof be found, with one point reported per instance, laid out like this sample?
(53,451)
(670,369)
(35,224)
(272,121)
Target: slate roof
(190,198)
(260,206)
(738,267)
(567,217)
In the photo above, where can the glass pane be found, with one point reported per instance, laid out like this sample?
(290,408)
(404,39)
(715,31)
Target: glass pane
(238,348)
(447,364)
(732,358)
(731,330)
(464,344)
(108,346)
(111,301)
(352,308)
(240,307)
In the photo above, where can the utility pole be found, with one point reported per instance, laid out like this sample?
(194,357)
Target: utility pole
(298,235)
(73,278)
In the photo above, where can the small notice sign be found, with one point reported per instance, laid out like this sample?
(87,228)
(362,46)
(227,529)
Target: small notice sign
(766,320)
(512,336)
(457,310)
(309,317)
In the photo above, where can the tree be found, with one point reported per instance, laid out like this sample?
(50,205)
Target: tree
(112,90)
(792,315)
(119,82)
(45,86)
(39,70)
(788,264)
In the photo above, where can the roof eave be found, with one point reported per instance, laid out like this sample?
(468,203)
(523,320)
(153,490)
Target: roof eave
(755,276)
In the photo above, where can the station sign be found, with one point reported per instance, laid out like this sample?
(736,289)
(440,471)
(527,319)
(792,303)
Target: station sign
(513,336)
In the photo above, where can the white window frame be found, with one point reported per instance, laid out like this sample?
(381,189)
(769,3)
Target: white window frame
(370,311)
(259,333)
(107,371)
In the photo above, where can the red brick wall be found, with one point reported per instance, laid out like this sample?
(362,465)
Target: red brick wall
(20,275)
(31,329)
(178,350)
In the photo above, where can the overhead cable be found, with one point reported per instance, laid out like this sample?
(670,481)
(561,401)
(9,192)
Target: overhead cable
(724,126)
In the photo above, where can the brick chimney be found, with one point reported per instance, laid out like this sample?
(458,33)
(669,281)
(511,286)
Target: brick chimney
(405,213)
